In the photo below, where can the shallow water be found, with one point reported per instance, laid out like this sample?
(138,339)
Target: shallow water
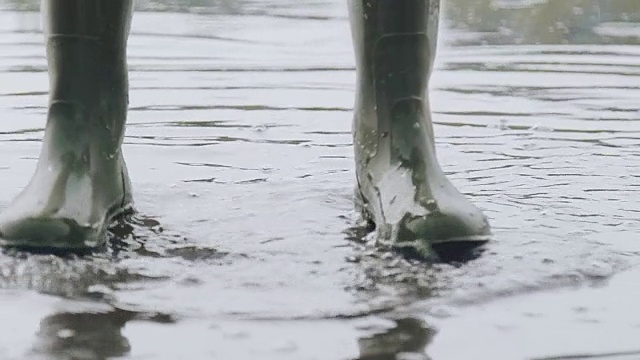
(247,245)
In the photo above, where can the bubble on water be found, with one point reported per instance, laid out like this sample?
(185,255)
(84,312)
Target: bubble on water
(541,128)
(371,253)
(598,270)
(503,124)
(190,280)
(393,263)
(260,128)
(441,312)
(370,239)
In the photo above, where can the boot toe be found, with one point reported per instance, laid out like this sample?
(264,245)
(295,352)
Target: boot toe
(444,236)
(50,233)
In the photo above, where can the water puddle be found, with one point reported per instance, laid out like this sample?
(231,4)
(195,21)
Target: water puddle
(247,245)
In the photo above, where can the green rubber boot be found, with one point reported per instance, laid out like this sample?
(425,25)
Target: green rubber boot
(401,187)
(81,182)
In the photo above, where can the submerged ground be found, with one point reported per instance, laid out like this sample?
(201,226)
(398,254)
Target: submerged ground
(246,245)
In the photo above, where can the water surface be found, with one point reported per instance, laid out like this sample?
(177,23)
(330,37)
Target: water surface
(246,244)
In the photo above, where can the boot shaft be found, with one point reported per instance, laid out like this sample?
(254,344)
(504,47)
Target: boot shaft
(106,21)
(86,51)
(395,45)
(398,35)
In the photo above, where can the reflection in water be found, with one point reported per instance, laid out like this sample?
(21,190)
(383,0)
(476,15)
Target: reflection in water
(230,7)
(542,137)
(84,335)
(89,332)
(409,339)
(547,21)
(493,21)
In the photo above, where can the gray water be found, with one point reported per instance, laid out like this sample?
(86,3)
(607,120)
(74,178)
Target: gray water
(246,244)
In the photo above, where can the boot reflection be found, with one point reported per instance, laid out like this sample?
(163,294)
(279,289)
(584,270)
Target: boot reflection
(407,340)
(84,335)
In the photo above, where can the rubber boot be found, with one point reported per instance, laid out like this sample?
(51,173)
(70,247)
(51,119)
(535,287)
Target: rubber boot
(401,187)
(80,182)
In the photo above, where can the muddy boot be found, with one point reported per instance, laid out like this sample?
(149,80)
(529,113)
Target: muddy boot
(80,183)
(401,187)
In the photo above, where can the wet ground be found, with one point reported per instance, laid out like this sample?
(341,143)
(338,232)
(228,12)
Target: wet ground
(246,244)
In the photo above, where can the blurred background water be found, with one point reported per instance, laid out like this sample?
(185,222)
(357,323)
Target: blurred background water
(246,244)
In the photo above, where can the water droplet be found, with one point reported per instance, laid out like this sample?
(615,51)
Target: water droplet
(100,289)
(393,264)
(431,205)
(66,333)
(598,270)
(441,312)
(387,256)
(260,128)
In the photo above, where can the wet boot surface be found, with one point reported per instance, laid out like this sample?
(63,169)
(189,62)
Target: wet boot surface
(401,186)
(81,182)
